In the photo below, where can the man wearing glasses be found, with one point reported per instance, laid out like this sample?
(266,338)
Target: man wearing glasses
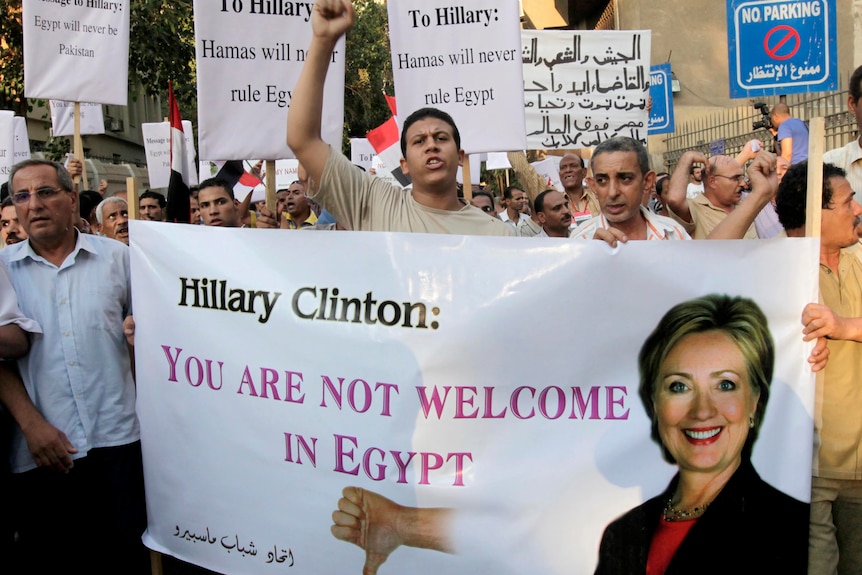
(76,452)
(723,183)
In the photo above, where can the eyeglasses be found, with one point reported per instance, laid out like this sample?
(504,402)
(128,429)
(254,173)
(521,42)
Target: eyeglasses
(739,179)
(487,209)
(44,194)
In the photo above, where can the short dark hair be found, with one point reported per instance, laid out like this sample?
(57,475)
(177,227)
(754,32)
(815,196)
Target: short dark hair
(856,84)
(6,202)
(741,319)
(63,177)
(217,183)
(790,202)
(156,196)
(423,113)
(623,144)
(484,193)
(507,193)
(87,201)
(539,202)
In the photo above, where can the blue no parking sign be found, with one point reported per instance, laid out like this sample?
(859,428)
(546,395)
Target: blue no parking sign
(781,47)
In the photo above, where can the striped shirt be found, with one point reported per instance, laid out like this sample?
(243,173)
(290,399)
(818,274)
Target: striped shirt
(658,227)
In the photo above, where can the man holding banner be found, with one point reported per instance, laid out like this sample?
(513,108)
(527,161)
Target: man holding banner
(430,144)
(76,451)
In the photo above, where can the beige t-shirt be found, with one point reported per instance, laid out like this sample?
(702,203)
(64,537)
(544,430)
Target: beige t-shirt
(838,399)
(361,201)
(704,217)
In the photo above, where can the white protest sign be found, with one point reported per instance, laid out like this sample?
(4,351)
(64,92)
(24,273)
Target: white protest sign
(549,168)
(7,143)
(361,152)
(475,170)
(380,169)
(584,87)
(249,55)
(465,60)
(157,146)
(63,118)
(286,172)
(497,161)
(21,146)
(387,385)
(77,50)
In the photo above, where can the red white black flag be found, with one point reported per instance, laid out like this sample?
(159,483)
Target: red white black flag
(386,142)
(178,208)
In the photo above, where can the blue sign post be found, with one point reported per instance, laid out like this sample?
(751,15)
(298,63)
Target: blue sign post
(661,113)
(781,47)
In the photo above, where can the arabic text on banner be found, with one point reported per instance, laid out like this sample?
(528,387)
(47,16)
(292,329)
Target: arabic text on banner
(582,88)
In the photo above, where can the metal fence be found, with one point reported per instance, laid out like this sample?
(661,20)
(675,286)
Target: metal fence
(727,131)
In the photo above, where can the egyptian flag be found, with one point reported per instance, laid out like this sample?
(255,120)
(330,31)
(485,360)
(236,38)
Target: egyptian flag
(385,141)
(178,208)
(235,174)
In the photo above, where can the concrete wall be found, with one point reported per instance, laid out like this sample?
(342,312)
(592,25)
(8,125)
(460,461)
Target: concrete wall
(694,35)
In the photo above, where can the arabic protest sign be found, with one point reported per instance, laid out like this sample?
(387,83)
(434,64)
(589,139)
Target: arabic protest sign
(245,79)
(781,47)
(63,118)
(157,147)
(361,152)
(76,51)
(661,114)
(389,384)
(465,60)
(582,88)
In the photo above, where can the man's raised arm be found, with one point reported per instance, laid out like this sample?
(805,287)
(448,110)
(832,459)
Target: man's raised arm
(330,20)
(676,197)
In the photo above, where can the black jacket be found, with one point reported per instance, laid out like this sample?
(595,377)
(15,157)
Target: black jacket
(750,527)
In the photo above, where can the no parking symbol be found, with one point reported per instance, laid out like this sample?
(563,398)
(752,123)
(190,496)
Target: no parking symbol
(782,42)
(781,47)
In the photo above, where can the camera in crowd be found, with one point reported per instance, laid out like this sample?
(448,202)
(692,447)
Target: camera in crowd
(765,121)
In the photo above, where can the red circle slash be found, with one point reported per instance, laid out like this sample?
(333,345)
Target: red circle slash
(782,35)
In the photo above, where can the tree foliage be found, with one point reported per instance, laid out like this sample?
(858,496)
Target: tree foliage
(368,71)
(11,58)
(162,48)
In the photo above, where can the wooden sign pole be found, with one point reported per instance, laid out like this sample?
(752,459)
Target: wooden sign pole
(465,177)
(814,199)
(79,147)
(271,200)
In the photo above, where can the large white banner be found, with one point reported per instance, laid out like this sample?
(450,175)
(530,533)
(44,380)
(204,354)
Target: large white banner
(157,146)
(464,59)
(249,55)
(417,367)
(584,87)
(63,118)
(77,50)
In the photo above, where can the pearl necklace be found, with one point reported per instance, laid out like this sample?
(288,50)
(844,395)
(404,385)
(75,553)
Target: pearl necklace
(671,513)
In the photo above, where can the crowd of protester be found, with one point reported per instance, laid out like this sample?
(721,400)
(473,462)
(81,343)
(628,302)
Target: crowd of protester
(71,436)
